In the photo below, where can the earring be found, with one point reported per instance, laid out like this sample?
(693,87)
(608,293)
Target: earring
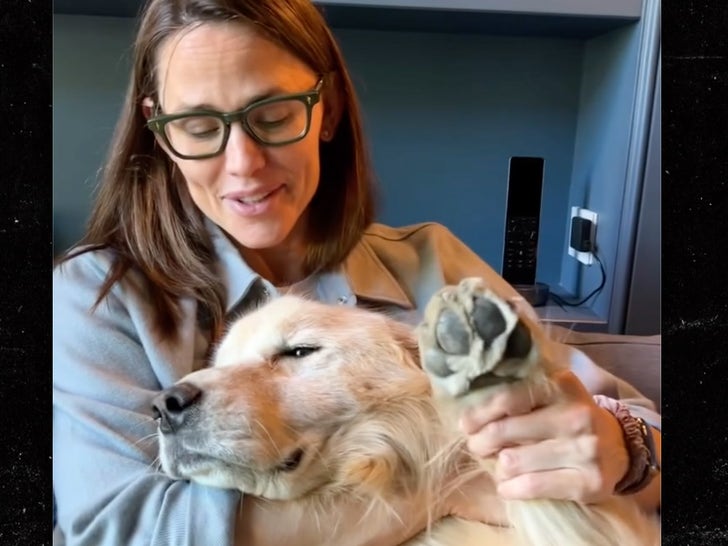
(325,134)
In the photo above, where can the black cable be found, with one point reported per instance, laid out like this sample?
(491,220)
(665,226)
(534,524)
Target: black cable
(562,301)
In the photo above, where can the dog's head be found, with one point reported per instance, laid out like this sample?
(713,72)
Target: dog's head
(301,397)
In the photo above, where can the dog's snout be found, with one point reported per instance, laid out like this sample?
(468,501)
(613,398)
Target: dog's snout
(171,404)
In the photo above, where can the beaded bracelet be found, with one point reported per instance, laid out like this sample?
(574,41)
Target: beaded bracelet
(643,465)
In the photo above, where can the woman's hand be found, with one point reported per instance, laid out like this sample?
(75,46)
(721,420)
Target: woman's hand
(549,443)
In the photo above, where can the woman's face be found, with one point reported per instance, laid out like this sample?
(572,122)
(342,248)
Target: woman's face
(257,194)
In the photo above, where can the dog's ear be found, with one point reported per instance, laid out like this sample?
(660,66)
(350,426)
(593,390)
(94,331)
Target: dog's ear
(373,475)
(389,449)
(387,458)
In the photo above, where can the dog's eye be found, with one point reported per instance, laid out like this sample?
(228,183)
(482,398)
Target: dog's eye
(292,462)
(299,352)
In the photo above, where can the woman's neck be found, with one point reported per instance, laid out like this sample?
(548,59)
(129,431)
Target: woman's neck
(282,265)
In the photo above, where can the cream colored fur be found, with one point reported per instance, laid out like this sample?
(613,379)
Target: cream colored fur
(343,388)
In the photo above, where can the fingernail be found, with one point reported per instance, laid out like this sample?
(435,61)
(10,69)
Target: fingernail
(503,466)
(462,425)
(503,489)
(505,457)
(466,423)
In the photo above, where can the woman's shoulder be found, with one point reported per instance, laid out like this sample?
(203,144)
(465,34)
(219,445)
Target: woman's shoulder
(83,262)
(411,234)
(81,276)
(428,248)
(424,239)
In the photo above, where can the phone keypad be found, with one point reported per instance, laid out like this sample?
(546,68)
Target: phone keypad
(519,254)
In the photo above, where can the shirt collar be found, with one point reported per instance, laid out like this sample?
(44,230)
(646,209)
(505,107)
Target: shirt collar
(370,278)
(367,276)
(237,277)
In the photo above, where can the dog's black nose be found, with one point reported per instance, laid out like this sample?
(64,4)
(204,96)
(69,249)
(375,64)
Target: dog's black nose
(170,405)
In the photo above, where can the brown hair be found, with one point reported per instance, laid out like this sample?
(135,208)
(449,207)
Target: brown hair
(143,211)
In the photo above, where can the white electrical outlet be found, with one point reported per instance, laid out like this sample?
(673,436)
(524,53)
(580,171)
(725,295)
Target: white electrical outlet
(586,258)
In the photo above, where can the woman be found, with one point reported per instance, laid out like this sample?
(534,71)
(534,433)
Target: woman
(238,171)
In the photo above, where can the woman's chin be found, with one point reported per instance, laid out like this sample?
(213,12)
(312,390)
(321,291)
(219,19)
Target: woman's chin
(266,236)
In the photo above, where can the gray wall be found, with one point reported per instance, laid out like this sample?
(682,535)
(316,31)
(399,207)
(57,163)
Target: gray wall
(90,69)
(445,112)
(600,156)
(643,304)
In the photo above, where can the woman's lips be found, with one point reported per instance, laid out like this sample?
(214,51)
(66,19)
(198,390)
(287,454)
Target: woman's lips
(251,204)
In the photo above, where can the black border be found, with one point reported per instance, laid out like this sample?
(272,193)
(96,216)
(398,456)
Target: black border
(25,272)
(694,303)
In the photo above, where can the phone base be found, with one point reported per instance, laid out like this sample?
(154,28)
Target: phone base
(536,294)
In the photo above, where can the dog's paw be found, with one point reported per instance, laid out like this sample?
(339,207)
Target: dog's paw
(471,338)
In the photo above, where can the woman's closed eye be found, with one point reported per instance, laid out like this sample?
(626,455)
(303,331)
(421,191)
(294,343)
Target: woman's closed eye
(276,116)
(200,127)
(271,124)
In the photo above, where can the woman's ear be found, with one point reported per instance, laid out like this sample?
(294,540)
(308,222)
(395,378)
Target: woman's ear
(333,109)
(147,107)
(328,126)
(148,111)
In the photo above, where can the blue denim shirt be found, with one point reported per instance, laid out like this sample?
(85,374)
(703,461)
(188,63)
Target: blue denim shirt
(109,364)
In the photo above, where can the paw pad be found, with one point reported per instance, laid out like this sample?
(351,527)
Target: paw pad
(471,338)
(452,334)
(487,319)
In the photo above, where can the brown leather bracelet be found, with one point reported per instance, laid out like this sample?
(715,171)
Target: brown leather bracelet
(643,464)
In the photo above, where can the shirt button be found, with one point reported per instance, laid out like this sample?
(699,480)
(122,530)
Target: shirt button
(342,300)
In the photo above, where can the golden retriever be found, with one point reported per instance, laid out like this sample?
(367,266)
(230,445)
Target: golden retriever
(315,404)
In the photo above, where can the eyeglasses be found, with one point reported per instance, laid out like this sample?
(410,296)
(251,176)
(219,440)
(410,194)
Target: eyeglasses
(274,121)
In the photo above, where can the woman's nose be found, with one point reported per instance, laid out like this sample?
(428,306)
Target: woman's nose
(243,155)
(172,405)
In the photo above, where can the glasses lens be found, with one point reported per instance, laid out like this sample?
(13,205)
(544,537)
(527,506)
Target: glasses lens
(280,121)
(195,135)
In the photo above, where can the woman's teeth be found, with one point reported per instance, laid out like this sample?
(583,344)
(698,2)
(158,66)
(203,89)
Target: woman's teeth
(254,200)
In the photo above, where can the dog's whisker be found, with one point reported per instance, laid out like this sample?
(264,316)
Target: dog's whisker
(145,424)
(272,442)
(155,466)
(147,438)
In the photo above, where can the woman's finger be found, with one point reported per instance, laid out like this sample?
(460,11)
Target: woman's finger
(564,483)
(516,399)
(546,423)
(580,452)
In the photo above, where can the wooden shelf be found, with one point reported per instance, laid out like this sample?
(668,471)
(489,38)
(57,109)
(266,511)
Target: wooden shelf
(551,312)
